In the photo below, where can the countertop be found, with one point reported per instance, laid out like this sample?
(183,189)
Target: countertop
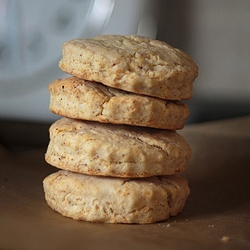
(216,216)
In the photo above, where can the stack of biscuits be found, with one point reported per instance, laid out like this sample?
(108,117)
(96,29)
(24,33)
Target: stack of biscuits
(116,145)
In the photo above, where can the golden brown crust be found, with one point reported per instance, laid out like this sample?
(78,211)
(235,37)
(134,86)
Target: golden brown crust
(114,150)
(132,63)
(115,200)
(81,99)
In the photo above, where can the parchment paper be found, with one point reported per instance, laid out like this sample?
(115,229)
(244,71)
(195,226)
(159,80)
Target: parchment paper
(216,216)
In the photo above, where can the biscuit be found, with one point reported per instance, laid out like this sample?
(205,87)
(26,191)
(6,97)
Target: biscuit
(115,200)
(81,99)
(115,150)
(131,63)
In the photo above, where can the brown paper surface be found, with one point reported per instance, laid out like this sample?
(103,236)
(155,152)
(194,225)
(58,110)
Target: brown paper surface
(216,216)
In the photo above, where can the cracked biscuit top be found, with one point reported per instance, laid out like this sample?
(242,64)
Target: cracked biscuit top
(116,150)
(131,63)
(82,99)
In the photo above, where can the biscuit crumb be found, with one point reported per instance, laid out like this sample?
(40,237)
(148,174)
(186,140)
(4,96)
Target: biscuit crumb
(225,239)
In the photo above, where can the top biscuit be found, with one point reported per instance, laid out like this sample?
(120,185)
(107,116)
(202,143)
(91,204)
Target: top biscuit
(132,63)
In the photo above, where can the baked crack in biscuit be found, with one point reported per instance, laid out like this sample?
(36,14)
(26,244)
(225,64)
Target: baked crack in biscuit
(115,200)
(81,99)
(131,63)
(115,150)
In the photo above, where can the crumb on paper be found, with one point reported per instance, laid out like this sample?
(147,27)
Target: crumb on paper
(165,225)
(211,225)
(225,239)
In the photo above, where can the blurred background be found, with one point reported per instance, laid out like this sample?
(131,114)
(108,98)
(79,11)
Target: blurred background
(214,33)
